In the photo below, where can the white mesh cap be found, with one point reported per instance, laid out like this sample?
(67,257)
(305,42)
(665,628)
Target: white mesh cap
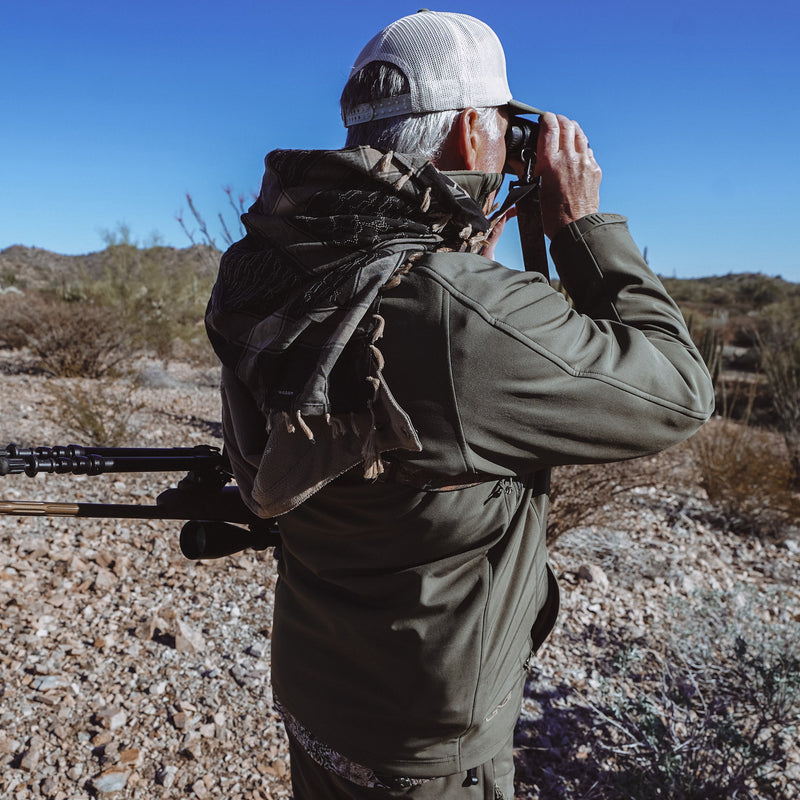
(452,61)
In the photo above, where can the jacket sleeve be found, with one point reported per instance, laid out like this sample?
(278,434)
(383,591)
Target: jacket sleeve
(539,382)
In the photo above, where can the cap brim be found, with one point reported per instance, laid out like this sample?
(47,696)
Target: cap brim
(515,107)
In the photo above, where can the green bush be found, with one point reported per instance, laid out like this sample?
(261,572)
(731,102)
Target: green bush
(162,299)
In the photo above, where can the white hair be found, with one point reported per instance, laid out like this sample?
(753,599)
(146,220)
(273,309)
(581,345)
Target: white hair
(419,134)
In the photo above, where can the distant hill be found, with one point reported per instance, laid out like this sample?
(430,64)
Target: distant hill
(35,268)
(736,292)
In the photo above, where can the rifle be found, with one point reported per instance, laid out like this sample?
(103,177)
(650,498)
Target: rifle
(202,497)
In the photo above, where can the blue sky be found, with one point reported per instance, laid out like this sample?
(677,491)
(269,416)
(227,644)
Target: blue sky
(113,111)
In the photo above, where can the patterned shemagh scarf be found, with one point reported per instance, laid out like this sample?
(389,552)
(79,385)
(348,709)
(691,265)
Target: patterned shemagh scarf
(294,311)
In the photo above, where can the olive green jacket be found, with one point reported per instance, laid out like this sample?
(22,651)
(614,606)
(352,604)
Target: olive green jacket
(403,617)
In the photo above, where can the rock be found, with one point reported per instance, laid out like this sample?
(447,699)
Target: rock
(111,717)
(280,767)
(104,580)
(155,377)
(43,683)
(131,756)
(179,720)
(114,779)
(255,650)
(146,628)
(32,755)
(165,776)
(188,640)
(101,739)
(191,745)
(594,574)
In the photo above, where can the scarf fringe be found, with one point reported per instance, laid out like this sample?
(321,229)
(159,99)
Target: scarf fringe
(373,464)
(303,427)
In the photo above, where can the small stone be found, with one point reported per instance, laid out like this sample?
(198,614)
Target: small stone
(110,780)
(131,756)
(191,745)
(188,640)
(49,786)
(59,731)
(105,580)
(30,758)
(165,776)
(147,628)
(200,790)
(75,771)
(43,683)
(179,720)
(279,765)
(594,574)
(255,650)
(111,717)
(101,739)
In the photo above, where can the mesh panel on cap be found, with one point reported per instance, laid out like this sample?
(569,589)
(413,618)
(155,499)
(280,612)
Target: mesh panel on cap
(451,60)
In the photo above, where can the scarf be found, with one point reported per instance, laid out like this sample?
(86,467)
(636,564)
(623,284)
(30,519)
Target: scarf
(295,308)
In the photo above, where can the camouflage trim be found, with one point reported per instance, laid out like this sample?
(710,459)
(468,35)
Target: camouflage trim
(338,764)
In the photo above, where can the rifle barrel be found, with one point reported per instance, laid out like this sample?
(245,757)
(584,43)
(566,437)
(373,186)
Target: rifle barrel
(33,508)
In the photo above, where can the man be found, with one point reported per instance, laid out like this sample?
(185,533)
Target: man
(398,398)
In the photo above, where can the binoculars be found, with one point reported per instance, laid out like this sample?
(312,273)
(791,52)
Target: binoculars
(521,138)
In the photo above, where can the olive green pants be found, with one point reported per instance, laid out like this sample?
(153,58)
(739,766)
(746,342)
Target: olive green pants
(493,780)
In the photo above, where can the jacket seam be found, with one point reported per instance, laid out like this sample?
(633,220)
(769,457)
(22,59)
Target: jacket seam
(482,660)
(557,361)
(461,437)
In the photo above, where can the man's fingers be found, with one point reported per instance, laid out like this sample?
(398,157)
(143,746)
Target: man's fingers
(497,228)
(570,175)
(560,135)
(581,140)
(566,139)
(549,134)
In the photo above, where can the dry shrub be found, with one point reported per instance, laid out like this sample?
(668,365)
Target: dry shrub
(705,705)
(747,476)
(99,413)
(133,300)
(779,349)
(589,494)
(715,712)
(66,339)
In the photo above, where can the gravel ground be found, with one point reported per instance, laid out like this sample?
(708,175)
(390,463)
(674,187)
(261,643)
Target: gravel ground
(127,671)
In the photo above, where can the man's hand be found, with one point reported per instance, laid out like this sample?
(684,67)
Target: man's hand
(570,175)
(497,229)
